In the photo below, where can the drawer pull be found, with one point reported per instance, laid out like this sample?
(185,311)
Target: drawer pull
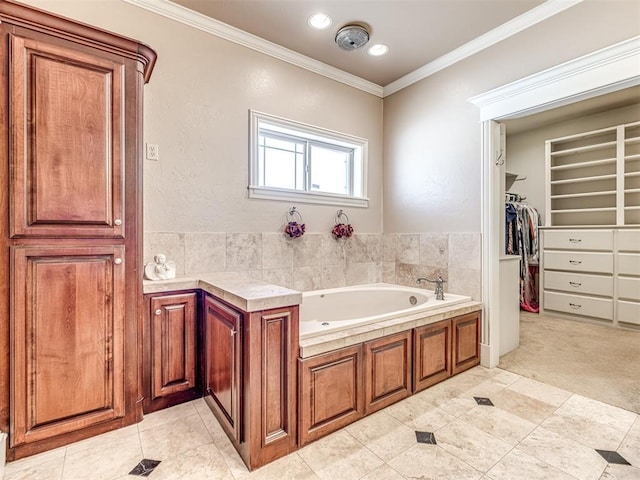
(575,305)
(158,312)
(575,240)
(575,262)
(575,284)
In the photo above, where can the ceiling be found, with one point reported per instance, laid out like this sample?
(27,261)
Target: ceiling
(417,31)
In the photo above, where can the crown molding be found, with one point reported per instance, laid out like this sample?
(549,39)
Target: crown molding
(606,70)
(215,27)
(506,30)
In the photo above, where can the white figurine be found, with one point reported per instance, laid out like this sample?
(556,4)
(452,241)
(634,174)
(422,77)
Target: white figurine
(160,268)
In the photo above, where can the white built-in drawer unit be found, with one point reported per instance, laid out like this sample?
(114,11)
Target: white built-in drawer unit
(579,305)
(579,283)
(628,312)
(579,240)
(597,262)
(628,263)
(629,288)
(629,240)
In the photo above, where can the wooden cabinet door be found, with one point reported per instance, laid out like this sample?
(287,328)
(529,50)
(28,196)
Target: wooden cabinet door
(67,339)
(387,370)
(432,354)
(223,364)
(330,394)
(66,156)
(466,341)
(173,344)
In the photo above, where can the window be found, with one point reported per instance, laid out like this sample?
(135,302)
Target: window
(294,161)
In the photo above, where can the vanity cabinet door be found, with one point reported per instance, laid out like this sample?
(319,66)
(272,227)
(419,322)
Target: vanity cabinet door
(432,354)
(171,350)
(223,364)
(387,370)
(331,393)
(466,341)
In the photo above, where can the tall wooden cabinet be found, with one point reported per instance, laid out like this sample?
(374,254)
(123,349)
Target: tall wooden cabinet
(70,236)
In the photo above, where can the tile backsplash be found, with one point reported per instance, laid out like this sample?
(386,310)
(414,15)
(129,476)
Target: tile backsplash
(318,261)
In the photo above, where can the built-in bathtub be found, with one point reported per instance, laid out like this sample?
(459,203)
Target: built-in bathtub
(332,310)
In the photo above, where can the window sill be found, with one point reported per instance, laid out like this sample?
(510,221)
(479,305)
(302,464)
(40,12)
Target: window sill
(306,197)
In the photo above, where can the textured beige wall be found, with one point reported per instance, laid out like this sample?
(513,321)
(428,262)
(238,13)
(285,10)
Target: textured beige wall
(432,176)
(525,151)
(196,110)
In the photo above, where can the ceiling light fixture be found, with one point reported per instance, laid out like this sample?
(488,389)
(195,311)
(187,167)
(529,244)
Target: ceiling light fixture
(351,37)
(319,21)
(378,49)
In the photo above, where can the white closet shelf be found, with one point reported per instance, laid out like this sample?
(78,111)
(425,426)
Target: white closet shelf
(591,163)
(629,141)
(585,194)
(632,190)
(635,156)
(632,207)
(632,174)
(586,148)
(612,176)
(584,210)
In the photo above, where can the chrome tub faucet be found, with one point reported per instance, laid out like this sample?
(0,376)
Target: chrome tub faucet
(439,291)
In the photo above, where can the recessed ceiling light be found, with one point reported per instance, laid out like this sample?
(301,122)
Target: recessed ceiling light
(319,21)
(378,49)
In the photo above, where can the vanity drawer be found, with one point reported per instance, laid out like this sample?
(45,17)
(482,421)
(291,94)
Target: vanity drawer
(579,239)
(629,288)
(579,283)
(629,240)
(579,261)
(579,305)
(628,312)
(629,263)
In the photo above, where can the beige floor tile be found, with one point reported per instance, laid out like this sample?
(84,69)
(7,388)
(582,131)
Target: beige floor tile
(620,472)
(520,465)
(169,439)
(104,462)
(599,412)
(585,430)
(630,448)
(291,467)
(35,460)
(101,439)
(384,472)
(167,415)
(423,420)
(200,463)
(50,470)
(540,391)
(472,445)
(499,423)
(339,456)
(438,394)
(384,435)
(432,462)
(209,420)
(565,454)
(458,406)
(522,405)
(232,458)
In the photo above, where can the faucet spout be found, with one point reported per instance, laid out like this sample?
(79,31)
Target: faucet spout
(439,290)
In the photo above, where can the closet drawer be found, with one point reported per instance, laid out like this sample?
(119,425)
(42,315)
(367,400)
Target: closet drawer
(628,263)
(579,261)
(579,283)
(629,288)
(579,239)
(629,240)
(579,305)
(628,312)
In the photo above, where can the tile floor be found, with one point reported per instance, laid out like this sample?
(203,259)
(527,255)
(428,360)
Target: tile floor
(532,431)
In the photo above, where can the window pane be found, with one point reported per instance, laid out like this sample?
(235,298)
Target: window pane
(330,170)
(279,169)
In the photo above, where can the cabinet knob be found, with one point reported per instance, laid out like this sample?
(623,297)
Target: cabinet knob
(117,261)
(233,333)
(158,312)
(117,222)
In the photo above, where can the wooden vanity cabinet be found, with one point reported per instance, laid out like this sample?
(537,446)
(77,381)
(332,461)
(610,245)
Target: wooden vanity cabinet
(432,354)
(466,342)
(331,392)
(171,361)
(70,234)
(387,370)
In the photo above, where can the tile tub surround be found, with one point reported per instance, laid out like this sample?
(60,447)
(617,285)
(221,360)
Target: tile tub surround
(317,261)
(190,444)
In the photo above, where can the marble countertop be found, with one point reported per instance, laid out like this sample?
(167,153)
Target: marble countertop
(242,292)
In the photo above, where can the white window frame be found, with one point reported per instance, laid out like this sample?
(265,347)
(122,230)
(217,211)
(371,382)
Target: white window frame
(316,135)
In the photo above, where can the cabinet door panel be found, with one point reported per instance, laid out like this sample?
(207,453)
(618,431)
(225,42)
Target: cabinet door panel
(223,363)
(68,342)
(387,370)
(466,342)
(432,354)
(67,121)
(330,392)
(173,344)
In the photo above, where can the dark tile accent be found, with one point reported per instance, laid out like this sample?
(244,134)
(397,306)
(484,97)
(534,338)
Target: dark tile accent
(425,437)
(145,467)
(613,457)
(483,401)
